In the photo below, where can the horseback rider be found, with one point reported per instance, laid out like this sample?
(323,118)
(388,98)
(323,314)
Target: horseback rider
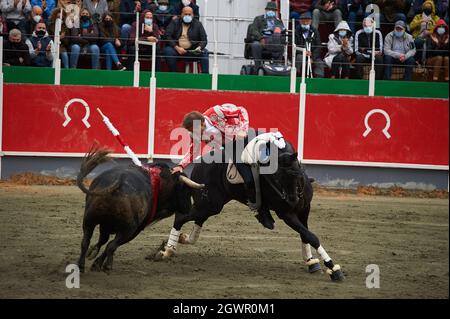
(220,125)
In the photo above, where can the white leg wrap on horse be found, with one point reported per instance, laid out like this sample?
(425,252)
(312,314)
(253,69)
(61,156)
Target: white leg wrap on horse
(173,238)
(195,233)
(306,251)
(323,254)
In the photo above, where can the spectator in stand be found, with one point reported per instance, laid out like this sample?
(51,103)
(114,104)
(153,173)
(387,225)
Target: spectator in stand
(437,50)
(399,49)
(363,49)
(326,10)
(3,26)
(186,38)
(163,15)
(415,7)
(72,9)
(15,51)
(353,11)
(34,18)
(15,12)
(47,7)
(128,10)
(422,26)
(297,7)
(109,41)
(84,40)
(40,46)
(97,8)
(265,35)
(340,49)
(307,36)
(114,9)
(186,3)
(64,35)
(148,31)
(392,10)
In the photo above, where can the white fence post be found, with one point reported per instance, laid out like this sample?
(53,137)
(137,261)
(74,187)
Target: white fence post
(136,54)
(293,67)
(302,108)
(151,122)
(56,50)
(215,70)
(372,69)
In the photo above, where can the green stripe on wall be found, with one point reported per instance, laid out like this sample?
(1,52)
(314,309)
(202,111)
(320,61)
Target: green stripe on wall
(226,82)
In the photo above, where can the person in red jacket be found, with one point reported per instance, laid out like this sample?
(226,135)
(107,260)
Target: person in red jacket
(220,125)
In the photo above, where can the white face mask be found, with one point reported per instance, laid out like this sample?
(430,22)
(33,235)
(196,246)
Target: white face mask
(163,7)
(37,18)
(186,2)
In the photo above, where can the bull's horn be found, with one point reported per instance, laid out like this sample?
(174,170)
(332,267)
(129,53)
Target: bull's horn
(191,183)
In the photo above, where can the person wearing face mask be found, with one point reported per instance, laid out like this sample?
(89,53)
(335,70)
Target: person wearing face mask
(148,31)
(187,3)
(307,36)
(340,49)
(399,49)
(85,40)
(163,14)
(326,10)
(15,51)
(15,13)
(422,26)
(97,8)
(109,41)
(437,50)
(40,46)
(47,7)
(264,35)
(363,49)
(186,38)
(34,18)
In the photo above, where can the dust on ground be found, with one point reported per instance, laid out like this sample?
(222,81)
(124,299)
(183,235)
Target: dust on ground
(235,257)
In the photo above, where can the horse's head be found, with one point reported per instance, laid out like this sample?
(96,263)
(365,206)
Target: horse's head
(288,173)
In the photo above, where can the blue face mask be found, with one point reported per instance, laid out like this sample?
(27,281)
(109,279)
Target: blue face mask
(163,7)
(440,30)
(399,34)
(342,33)
(148,21)
(368,29)
(270,14)
(187,19)
(305,27)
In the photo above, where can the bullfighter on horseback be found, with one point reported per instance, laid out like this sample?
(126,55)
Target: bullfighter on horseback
(221,125)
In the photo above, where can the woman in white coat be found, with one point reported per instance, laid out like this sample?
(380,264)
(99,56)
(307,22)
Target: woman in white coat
(340,49)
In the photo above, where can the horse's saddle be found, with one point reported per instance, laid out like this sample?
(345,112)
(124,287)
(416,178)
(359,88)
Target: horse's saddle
(255,152)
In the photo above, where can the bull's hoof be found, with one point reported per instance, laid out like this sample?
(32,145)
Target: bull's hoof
(313,265)
(183,239)
(92,252)
(165,254)
(96,267)
(336,274)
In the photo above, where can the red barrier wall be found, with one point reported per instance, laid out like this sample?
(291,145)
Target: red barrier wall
(33,118)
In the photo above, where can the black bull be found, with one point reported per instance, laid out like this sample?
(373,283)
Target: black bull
(120,201)
(288,192)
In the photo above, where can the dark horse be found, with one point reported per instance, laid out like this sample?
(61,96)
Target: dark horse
(288,192)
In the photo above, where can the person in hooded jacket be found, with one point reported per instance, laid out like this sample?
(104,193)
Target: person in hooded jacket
(148,31)
(340,49)
(40,46)
(437,50)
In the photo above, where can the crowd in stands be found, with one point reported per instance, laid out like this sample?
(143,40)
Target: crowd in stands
(337,34)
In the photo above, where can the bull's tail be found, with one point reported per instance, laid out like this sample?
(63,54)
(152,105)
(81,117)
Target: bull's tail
(92,159)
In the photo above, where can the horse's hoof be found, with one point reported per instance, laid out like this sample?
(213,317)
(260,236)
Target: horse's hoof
(336,274)
(183,239)
(314,268)
(158,256)
(95,267)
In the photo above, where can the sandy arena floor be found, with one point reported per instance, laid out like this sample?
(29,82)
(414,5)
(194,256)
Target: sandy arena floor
(235,257)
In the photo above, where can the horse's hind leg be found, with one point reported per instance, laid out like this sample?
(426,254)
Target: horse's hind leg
(308,237)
